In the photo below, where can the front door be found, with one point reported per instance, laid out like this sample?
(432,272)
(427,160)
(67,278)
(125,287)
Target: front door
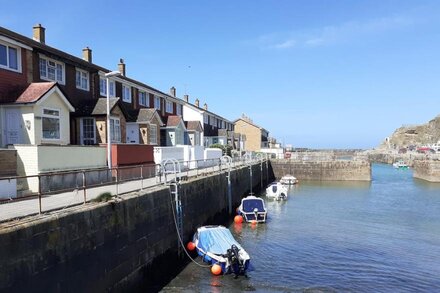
(132,133)
(13,126)
(88,133)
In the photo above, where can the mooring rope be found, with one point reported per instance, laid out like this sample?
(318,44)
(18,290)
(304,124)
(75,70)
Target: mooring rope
(178,233)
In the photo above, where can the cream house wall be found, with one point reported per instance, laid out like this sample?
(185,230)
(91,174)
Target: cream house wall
(54,101)
(253,135)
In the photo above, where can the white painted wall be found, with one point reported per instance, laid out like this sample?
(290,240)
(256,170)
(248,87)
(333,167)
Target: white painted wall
(279,153)
(164,153)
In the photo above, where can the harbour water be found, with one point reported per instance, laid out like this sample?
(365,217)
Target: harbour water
(382,236)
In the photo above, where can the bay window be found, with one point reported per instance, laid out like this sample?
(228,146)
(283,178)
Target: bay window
(115,129)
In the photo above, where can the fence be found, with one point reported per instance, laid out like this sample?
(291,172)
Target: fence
(59,190)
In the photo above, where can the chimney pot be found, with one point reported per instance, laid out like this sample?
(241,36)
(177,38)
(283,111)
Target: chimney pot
(87,54)
(205,106)
(196,103)
(186,98)
(173,91)
(121,67)
(39,33)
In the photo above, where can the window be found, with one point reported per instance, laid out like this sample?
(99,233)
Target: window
(88,131)
(51,70)
(143,99)
(115,129)
(126,93)
(213,120)
(179,109)
(82,79)
(205,119)
(157,102)
(153,134)
(103,87)
(51,124)
(10,57)
(169,107)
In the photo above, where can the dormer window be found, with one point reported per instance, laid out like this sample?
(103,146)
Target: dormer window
(51,70)
(10,57)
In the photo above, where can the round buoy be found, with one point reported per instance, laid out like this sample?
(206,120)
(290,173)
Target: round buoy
(216,269)
(254,222)
(190,246)
(238,219)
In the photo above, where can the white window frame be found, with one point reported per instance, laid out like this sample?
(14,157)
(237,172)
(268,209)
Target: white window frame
(82,129)
(126,93)
(43,115)
(146,103)
(157,102)
(113,121)
(103,87)
(179,109)
(56,63)
(151,127)
(205,119)
(83,77)
(169,106)
(7,66)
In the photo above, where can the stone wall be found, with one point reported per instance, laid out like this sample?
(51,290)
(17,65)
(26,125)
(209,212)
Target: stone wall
(323,170)
(428,170)
(120,245)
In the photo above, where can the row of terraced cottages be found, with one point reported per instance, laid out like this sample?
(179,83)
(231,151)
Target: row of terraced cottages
(53,112)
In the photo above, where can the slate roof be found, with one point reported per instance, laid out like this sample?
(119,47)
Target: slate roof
(173,120)
(34,92)
(193,126)
(101,106)
(145,114)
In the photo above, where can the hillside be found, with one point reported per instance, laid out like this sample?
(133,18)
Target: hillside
(417,135)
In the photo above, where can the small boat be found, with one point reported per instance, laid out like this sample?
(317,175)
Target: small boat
(216,245)
(400,165)
(288,180)
(276,191)
(252,208)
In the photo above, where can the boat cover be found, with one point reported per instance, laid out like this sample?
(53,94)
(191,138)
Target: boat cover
(250,204)
(216,240)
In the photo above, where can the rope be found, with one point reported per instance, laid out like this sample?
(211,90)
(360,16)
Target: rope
(179,236)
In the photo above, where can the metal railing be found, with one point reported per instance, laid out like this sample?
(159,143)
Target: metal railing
(51,191)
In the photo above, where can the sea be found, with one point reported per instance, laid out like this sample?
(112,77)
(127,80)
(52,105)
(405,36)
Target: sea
(378,236)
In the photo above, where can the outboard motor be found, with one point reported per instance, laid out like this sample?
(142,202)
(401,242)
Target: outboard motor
(235,262)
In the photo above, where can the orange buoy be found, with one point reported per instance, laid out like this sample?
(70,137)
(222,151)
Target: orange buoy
(216,269)
(190,246)
(238,219)
(254,222)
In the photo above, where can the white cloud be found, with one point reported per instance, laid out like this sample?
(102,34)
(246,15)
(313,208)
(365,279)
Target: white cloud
(329,35)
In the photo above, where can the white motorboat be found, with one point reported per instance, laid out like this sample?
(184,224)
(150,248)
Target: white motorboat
(276,191)
(288,180)
(400,165)
(252,208)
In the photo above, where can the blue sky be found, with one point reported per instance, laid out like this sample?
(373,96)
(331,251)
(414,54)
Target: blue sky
(323,74)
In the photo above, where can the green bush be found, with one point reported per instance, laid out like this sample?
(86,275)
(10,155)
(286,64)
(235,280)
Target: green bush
(103,197)
(226,149)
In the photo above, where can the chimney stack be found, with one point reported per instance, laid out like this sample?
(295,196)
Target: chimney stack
(173,91)
(196,102)
(205,106)
(87,54)
(39,33)
(186,98)
(121,67)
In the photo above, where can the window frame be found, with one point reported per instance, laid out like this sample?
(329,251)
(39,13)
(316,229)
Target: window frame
(112,129)
(49,116)
(87,79)
(46,77)
(103,90)
(82,129)
(157,99)
(179,109)
(168,106)
(126,89)
(205,119)
(8,63)
(152,126)
(147,98)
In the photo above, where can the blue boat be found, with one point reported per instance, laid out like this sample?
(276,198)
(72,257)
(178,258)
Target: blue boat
(216,245)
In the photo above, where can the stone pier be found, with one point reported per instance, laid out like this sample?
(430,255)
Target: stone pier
(428,170)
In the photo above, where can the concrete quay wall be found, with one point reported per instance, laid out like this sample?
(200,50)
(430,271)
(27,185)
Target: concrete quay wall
(428,170)
(120,245)
(354,170)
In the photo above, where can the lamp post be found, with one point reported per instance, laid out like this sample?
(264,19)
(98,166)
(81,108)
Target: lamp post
(109,141)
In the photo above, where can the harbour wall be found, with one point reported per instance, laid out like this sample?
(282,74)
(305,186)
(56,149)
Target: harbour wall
(428,170)
(332,170)
(124,244)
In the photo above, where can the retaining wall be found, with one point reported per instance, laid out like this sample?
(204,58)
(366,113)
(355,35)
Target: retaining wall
(356,170)
(428,170)
(120,245)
